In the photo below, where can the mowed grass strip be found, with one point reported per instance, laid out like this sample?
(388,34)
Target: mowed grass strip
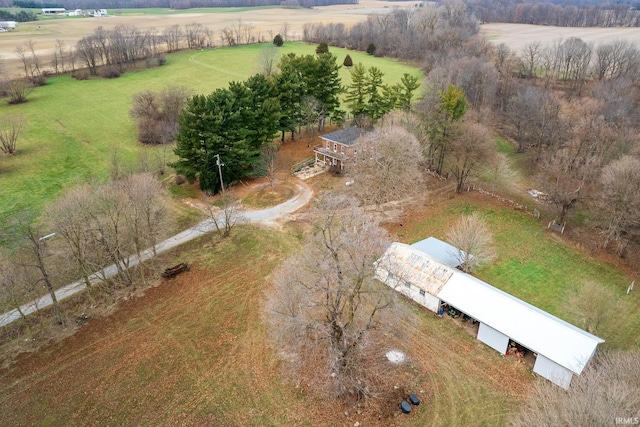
(77,128)
(536,265)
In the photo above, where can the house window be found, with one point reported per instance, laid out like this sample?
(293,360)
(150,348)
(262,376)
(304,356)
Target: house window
(328,145)
(342,149)
(407,284)
(422,293)
(335,148)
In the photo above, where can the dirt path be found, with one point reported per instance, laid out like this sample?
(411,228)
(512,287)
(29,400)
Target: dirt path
(268,216)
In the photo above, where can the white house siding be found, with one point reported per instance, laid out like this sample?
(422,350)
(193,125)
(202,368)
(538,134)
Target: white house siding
(550,370)
(494,339)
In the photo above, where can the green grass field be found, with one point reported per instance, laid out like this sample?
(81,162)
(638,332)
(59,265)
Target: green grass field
(76,128)
(537,266)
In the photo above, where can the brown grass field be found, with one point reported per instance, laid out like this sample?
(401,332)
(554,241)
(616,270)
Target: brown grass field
(270,21)
(517,36)
(194,351)
(45,33)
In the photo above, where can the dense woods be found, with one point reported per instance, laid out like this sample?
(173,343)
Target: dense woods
(561,14)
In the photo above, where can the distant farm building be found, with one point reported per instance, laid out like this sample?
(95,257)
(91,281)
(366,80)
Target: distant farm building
(7,25)
(53,11)
(343,148)
(426,273)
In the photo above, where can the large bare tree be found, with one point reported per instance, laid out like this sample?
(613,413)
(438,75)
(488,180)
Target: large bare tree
(618,205)
(326,312)
(69,217)
(471,149)
(473,240)
(387,166)
(593,304)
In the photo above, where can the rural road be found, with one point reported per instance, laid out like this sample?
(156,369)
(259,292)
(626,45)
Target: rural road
(262,216)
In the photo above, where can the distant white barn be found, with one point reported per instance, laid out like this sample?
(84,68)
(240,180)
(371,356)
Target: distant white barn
(53,10)
(8,25)
(562,349)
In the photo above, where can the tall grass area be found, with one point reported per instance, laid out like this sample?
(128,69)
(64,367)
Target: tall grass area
(77,129)
(540,268)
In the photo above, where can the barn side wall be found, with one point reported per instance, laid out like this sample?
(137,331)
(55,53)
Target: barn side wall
(493,338)
(409,290)
(550,370)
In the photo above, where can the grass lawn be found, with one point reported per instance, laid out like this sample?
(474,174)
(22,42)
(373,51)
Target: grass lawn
(76,128)
(534,264)
(194,351)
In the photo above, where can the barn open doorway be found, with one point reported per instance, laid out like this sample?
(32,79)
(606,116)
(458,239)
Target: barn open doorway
(464,320)
(522,353)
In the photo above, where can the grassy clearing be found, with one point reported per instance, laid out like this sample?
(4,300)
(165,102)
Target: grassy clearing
(194,351)
(77,128)
(536,265)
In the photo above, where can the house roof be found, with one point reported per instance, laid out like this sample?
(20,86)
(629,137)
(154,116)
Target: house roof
(539,331)
(346,136)
(441,251)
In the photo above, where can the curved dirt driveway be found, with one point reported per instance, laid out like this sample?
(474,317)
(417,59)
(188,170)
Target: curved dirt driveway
(262,216)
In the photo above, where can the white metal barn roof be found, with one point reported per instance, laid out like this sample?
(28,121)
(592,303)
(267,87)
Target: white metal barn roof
(441,251)
(539,331)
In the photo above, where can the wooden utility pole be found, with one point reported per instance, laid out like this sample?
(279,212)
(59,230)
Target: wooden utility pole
(220,164)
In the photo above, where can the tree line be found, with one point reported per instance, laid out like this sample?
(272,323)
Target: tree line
(20,16)
(83,231)
(607,14)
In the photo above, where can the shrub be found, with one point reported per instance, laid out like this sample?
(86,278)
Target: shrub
(371,49)
(161,60)
(348,62)
(323,47)
(278,41)
(111,73)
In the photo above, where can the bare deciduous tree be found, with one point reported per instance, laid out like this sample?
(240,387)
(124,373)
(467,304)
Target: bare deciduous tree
(268,58)
(157,114)
(473,240)
(593,305)
(18,90)
(35,252)
(172,36)
(387,167)
(224,214)
(269,153)
(326,312)
(13,289)
(471,149)
(11,128)
(605,391)
(619,202)
(68,216)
